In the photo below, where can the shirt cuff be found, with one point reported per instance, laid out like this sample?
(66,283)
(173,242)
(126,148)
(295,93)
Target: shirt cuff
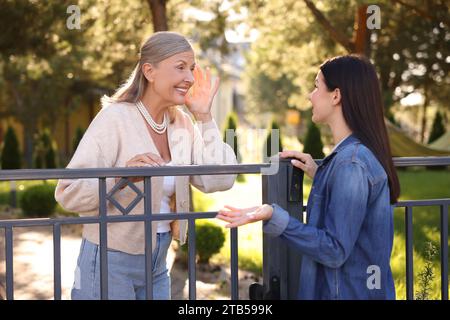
(204,126)
(276,225)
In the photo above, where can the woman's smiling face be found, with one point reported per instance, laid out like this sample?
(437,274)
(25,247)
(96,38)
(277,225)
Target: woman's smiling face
(173,77)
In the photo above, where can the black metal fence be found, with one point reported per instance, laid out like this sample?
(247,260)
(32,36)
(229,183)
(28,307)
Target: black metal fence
(281,264)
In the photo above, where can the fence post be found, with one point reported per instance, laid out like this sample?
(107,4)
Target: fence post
(281,264)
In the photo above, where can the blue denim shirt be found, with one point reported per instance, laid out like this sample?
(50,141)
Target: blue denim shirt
(346,243)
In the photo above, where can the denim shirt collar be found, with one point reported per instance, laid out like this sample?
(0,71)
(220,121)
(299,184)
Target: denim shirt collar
(351,139)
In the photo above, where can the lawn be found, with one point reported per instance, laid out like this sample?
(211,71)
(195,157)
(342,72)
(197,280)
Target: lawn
(415,184)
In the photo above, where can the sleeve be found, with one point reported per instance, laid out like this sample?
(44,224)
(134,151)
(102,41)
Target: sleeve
(332,244)
(208,148)
(82,195)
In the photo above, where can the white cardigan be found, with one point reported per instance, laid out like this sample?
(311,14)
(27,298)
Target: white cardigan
(118,133)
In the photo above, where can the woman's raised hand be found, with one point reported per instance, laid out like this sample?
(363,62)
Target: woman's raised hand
(238,217)
(199,99)
(302,161)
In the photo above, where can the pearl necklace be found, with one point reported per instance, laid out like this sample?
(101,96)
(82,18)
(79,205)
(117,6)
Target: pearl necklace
(158,128)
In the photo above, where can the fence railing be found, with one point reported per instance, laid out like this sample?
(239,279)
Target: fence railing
(281,264)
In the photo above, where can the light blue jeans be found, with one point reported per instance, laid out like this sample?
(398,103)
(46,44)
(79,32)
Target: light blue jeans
(126,273)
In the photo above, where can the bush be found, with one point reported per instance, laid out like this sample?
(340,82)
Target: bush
(313,142)
(10,151)
(38,201)
(78,136)
(232,121)
(438,128)
(209,240)
(267,148)
(45,151)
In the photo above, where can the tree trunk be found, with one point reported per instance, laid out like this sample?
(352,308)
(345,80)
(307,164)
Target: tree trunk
(159,16)
(361,33)
(424,117)
(335,34)
(29,131)
(1,133)
(68,145)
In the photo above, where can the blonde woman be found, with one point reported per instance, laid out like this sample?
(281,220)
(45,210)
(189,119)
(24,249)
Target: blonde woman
(141,125)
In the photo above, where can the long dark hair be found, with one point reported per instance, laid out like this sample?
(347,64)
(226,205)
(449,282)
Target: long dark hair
(362,108)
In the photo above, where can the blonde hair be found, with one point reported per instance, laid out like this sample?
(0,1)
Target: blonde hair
(158,47)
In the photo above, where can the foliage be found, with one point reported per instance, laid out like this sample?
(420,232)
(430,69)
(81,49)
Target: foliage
(38,200)
(209,239)
(267,147)
(231,124)
(10,153)
(76,140)
(409,50)
(45,155)
(437,129)
(313,142)
(426,275)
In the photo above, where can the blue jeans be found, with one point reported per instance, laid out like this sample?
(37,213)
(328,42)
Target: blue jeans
(126,273)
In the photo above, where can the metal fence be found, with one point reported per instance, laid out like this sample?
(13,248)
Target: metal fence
(281,264)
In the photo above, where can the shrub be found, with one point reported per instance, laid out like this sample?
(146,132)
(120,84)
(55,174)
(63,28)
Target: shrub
(232,121)
(313,142)
(267,148)
(426,275)
(10,151)
(438,128)
(38,201)
(76,140)
(209,240)
(45,151)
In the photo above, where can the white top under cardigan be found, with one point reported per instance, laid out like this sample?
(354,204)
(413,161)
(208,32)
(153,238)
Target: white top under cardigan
(118,133)
(168,191)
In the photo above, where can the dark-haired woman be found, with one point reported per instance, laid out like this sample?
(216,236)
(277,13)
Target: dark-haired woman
(347,241)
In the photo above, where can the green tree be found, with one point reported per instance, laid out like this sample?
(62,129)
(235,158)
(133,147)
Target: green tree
(231,124)
(313,142)
(295,37)
(438,128)
(231,127)
(45,155)
(10,158)
(76,140)
(267,148)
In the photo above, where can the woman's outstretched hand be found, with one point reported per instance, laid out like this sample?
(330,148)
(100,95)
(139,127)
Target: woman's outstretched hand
(199,99)
(238,217)
(303,161)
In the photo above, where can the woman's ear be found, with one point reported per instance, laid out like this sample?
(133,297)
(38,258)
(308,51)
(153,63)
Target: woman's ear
(336,96)
(148,72)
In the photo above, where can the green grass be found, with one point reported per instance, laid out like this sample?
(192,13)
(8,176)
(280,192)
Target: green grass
(415,184)
(420,184)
